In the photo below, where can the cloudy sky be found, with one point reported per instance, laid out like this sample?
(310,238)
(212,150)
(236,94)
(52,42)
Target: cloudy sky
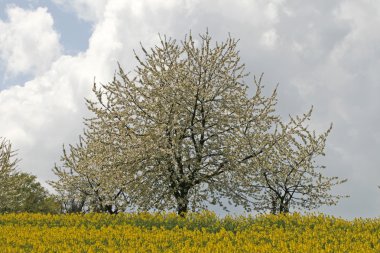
(323,53)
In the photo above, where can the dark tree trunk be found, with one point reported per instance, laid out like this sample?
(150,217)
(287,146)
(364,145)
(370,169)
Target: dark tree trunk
(182,199)
(284,206)
(182,207)
(110,210)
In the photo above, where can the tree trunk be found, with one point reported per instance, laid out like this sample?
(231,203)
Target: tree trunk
(274,206)
(182,202)
(110,210)
(284,206)
(182,207)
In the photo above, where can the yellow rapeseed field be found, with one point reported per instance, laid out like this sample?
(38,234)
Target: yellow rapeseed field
(204,232)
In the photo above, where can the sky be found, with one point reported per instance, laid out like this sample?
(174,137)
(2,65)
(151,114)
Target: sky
(322,53)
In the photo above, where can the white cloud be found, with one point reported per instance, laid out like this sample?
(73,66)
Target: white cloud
(323,53)
(28,42)
(86,9)
(269,39)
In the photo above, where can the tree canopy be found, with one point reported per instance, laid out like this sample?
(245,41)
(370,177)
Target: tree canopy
(288,175)
(181,131)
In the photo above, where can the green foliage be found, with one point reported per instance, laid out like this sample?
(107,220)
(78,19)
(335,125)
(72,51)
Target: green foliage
(8,193)
(21,192)
(34,198)
(203,221)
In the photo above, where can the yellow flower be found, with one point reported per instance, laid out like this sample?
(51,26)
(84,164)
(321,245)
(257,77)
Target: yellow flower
(205,232)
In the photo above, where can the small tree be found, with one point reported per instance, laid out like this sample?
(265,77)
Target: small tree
(21,192)
(88,182)
(71,198)
(289,175)
(8,163)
